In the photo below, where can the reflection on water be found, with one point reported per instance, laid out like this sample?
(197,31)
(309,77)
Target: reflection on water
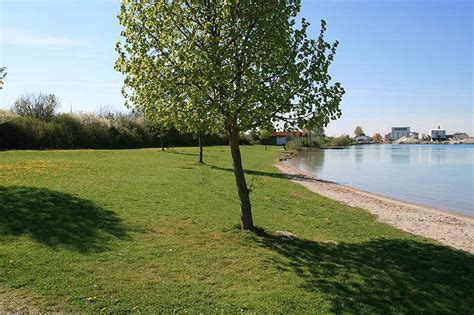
(435,175)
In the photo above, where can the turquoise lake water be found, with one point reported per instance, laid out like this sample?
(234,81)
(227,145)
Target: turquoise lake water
(439,176)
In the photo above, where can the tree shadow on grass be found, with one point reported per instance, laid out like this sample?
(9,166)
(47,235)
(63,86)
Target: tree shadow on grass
(251,172)
(296,177)
(188,153)
(181,153)
(383,276)
(57,219)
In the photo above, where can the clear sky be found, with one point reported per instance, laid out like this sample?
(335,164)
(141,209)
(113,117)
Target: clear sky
(403,63)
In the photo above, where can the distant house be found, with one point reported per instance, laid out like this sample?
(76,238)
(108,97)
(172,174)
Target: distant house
(437,134)
(398,132)
(282,137)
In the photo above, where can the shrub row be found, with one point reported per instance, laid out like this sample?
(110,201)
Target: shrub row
(67,131)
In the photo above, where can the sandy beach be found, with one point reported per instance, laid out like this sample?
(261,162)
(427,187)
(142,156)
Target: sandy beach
(447,228)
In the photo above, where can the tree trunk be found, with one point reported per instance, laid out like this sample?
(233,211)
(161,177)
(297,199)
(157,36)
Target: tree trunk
(200,149)
(162,145)
(246,221)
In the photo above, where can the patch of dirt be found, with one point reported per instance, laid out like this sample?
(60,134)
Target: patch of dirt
(17,302)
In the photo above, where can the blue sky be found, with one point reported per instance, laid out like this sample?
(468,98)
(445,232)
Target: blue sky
(403,63)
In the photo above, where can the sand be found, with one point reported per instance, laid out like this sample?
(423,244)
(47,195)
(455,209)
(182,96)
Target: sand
(447,228)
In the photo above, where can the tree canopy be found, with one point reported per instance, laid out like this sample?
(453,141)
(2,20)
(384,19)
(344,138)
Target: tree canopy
(37,105)
(239,65)
(377,137)
(358,131)
(3,74)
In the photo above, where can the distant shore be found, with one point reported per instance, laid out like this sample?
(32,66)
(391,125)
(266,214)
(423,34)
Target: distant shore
(469,140)
(447,228)
(415,141)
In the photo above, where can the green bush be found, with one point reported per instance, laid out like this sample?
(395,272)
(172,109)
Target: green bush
(341,141)
(320,141)
(294,144)
(72,134)
(26,133)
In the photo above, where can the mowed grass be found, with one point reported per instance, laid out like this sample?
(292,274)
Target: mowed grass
(150,231)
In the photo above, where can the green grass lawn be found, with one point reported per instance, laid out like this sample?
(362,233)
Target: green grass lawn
(150,231)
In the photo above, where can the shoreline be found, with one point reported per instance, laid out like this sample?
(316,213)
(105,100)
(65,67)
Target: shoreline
(447,228)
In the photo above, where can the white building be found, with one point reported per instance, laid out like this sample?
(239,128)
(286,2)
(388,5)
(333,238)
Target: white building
(437,134)
(398,132)
(363,138)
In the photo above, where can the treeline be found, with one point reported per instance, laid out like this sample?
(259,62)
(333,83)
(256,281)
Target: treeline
(330,142)
(320,142)
(34,124)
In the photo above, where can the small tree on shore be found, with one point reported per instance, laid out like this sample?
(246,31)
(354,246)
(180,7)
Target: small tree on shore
(244,64)
(377,137)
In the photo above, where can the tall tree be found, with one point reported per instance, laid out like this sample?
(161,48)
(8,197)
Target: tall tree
(3,74)
(38,105)
(244,64)
(358,131)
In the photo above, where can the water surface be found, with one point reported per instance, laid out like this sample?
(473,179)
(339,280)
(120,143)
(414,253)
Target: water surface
(439,176)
